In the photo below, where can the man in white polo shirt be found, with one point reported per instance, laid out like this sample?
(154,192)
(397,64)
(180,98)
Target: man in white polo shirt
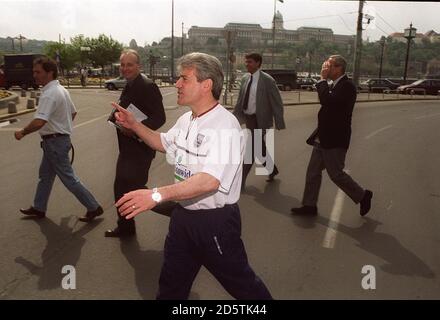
(206,147)
(53,120)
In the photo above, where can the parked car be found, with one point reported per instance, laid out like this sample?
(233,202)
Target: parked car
(431,86)
(115,84)
(284,78)
(402,82)
(378,85)
(307,84)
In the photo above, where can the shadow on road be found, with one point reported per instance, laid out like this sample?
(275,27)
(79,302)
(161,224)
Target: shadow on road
(272,199)
(147,265)
(399,260)
(63,248)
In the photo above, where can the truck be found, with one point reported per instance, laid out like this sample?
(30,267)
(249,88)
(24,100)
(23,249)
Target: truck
(284,78)
(18,70)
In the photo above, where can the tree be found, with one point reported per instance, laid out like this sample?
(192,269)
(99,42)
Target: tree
(78,43)
(104,50)
(65,54)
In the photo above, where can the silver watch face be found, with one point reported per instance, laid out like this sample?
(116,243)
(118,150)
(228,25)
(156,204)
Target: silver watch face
(156,196)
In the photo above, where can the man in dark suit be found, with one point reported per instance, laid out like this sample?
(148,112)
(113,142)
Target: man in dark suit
(331,139)
(135,157)
(259,104)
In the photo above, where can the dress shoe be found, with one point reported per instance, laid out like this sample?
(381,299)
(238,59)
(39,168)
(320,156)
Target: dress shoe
(305,210)
(90,215)
(273,174)
(366,202)
(118,233)
(33,212)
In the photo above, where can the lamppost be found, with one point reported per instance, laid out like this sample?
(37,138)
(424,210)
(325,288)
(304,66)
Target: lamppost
(84,49)
(298,63)
(183,37)
(410,33)
(273,27)
(309,55)
(21,38)
(382,44)
(172,41)
(12,42)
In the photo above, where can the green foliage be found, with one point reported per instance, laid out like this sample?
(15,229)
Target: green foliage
(104,50)
(68,54)
(101,51)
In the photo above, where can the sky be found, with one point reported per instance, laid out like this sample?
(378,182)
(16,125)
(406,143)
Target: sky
(150,20)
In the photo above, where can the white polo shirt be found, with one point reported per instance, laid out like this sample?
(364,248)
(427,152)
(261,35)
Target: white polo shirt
(211,143)
(55,107)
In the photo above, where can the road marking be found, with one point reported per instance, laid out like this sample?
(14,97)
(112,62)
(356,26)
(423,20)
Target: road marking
(390,206)
(5,123)
(378,131)
(90,121)
(77,126)
(332,229)
(9,129)
(428,116)
(167,94)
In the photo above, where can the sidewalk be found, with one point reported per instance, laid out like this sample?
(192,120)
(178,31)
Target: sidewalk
(290,98)
(21,106)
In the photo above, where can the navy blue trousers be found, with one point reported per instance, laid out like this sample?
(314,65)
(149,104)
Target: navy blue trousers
(211,238)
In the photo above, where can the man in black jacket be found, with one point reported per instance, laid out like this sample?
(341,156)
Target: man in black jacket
(331,139)
(135,157)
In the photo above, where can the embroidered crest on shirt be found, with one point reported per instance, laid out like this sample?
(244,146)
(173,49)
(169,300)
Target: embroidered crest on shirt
(199,140)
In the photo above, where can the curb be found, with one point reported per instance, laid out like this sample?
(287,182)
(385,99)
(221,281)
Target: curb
(12,115)
(4,102)
(380,100)
(103,87)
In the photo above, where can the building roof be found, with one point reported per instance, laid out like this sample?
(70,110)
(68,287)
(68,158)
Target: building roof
(431,33)
(315,29)
(233,25)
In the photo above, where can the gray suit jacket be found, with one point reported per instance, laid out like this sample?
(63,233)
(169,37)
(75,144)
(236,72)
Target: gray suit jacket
(269,103)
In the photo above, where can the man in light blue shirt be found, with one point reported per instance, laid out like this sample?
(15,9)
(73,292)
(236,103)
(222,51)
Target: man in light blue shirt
(53,119)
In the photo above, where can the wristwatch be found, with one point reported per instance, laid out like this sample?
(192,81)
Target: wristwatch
(156,196)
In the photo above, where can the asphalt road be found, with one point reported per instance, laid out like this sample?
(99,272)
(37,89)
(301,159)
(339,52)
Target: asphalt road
(394,152)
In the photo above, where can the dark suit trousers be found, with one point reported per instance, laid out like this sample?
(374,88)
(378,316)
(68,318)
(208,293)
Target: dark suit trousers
(333,161)
(131,174)
(251,123)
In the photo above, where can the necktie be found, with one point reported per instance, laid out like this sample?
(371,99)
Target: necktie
(246,96)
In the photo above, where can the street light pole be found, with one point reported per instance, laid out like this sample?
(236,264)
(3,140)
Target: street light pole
(410,33)
(358,45)
(172,41)
(182,38)
(382,44)
(20,37)
(12,42)
(273,29)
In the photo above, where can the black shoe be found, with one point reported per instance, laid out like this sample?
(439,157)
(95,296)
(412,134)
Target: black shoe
(90,215)
(366,202)
(33,212)
(273,174)
(118,233)
(305,210)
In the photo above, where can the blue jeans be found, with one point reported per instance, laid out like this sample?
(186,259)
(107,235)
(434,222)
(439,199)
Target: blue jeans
(56,162)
